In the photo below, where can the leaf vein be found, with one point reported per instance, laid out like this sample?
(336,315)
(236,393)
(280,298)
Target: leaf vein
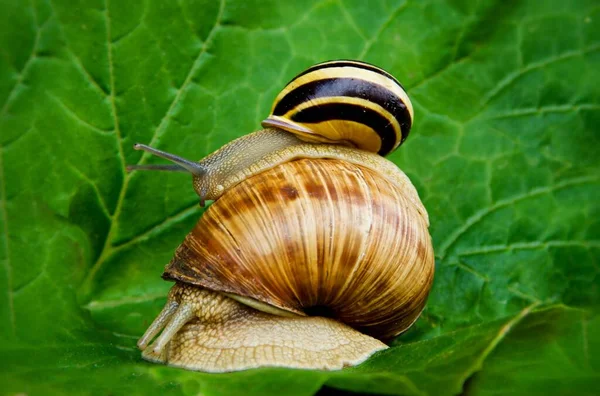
(393,15)
(79,65)
(94,304)
(584,336)
(479,215)
(38,276)
(157,229)
(7,263)
(546,109)
(94,187)
(111,73)
(471,270)
(512,77)
(504,330)
(590,244)
(73,115)
(523,295)
(193,69)
(107,250)
(350,19)
(26,66)
(187,20)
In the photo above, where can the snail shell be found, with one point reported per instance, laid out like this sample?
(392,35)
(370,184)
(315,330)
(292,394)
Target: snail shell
(345,102)
(306,242)
(319,237)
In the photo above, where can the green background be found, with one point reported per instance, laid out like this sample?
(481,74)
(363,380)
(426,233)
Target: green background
(504,152)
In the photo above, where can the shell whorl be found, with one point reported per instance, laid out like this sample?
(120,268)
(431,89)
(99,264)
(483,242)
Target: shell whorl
(345,102)
(316,233)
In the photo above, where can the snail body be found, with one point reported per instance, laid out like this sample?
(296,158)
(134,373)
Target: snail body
(221,334)
(313,251)
(350,103)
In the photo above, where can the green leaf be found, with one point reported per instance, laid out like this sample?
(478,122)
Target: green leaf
(505,153)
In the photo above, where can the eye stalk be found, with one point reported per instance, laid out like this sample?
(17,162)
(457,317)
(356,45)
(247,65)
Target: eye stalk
(166,168)
(180,164)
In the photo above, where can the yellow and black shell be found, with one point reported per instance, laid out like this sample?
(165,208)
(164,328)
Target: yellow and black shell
(345,102)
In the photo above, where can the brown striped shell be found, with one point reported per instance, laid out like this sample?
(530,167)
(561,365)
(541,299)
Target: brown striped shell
(316,235)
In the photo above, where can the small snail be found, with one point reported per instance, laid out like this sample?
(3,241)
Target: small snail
(316,247)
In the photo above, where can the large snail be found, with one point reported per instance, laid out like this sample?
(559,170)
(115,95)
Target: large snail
(316,247)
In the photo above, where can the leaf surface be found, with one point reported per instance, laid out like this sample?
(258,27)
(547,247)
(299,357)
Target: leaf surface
(505,153)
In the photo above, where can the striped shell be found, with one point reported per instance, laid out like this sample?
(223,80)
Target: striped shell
(345,102)
(316,236)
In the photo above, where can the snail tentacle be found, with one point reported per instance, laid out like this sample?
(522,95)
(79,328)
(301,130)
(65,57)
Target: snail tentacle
(157,167)
(158,324)
(183,314)
(191,166)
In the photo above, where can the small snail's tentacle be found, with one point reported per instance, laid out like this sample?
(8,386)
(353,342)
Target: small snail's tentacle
(159,323)
(157,167)
(183,314)
(194,167)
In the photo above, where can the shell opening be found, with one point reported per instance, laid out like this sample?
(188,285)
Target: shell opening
(320,310)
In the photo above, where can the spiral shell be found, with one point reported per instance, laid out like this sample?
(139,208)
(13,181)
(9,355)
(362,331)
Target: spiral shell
(345,102)
(316,236)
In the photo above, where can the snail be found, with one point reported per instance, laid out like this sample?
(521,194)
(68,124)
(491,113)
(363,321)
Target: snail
(316,249)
